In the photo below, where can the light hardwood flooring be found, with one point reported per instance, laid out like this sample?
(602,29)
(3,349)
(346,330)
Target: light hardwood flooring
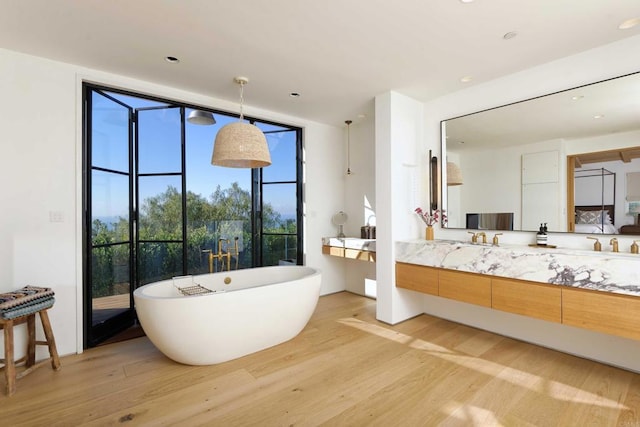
(344,369)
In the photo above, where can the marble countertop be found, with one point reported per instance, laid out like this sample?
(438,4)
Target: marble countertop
(602,271)
(351,243)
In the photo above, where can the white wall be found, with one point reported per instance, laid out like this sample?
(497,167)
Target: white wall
(360,198)
(591,66)
(40,133)
(492,181)
(399,134)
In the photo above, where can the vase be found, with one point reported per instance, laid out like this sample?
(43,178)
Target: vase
(429,233)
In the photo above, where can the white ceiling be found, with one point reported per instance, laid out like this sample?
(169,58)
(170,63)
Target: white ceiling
(337,54)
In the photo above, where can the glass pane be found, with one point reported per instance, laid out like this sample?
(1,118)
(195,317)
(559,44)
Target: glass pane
(109,281)
(218,205)
(279,250)
(160,207)
(159,141)
(266,127)
(109,134)
(279,208)
(282,146)
(109,207)
(159,261)
(219,246)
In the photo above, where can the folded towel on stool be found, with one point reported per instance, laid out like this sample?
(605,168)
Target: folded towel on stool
(24,295)
(28,308)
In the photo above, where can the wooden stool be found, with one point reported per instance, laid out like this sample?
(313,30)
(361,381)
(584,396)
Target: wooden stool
(29,358)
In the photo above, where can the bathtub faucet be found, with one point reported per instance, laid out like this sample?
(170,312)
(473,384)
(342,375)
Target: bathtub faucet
(221,255)
(211,257)
(224,253)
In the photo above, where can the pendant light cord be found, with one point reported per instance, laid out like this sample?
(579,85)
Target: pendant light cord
(241,100)
(348,122)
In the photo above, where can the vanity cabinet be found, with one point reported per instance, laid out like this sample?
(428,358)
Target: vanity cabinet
(350,253)
(609,313)
(360,255)
(527,298)
(466,287)
(333,251)
(417,278)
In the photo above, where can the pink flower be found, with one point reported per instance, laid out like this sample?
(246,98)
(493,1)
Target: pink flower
(430,218)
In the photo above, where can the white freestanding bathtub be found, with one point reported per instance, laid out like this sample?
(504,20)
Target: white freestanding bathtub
(258,308)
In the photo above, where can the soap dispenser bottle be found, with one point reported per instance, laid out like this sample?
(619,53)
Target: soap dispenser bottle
(541,236)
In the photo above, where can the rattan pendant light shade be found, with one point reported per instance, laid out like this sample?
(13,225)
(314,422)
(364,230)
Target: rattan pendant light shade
(454,174)
(240,144)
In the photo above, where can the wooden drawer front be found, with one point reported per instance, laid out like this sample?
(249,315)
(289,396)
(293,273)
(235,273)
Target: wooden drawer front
(527,298)
(465,287)
(417,278)
(332,250)
(361,255)
(603,312)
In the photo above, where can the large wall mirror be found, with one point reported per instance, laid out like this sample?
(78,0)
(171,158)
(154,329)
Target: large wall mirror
(570,159)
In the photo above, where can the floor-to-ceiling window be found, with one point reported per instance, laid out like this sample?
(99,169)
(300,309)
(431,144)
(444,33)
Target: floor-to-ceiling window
(156,208)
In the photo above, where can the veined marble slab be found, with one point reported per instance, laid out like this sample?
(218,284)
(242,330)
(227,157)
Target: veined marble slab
(351,243)
(603,271)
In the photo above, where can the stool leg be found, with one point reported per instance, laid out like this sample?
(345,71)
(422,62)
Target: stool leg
(9,364)
(31,341)
(51,342)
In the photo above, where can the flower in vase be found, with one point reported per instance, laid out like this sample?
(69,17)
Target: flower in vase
(429,218)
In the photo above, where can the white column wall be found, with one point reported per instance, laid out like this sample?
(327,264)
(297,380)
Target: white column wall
(41,168)
(399,135)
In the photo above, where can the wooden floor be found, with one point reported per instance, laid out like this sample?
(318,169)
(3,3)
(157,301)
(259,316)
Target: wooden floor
(344,369)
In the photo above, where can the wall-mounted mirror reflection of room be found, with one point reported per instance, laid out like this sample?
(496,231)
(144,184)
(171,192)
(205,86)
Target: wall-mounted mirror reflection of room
(515,158)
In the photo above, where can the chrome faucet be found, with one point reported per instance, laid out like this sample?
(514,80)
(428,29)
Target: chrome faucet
(614,242)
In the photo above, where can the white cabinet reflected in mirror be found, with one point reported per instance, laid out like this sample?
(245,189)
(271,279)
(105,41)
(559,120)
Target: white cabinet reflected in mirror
(564,159)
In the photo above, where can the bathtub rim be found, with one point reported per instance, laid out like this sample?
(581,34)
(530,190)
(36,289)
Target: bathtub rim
(140,292)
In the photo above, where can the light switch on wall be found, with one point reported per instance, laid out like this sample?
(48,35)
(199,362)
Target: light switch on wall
(56,216)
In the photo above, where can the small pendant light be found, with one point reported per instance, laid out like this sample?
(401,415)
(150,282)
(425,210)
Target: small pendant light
(348,122)
(199,117)
(239,144)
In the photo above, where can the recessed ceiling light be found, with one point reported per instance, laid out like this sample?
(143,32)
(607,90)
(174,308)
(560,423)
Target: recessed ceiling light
(576,97)
(466,79)
(362,116)
(598,116)
(509,35)
(294,95)
(172,59)
(466,1)
(629,23)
